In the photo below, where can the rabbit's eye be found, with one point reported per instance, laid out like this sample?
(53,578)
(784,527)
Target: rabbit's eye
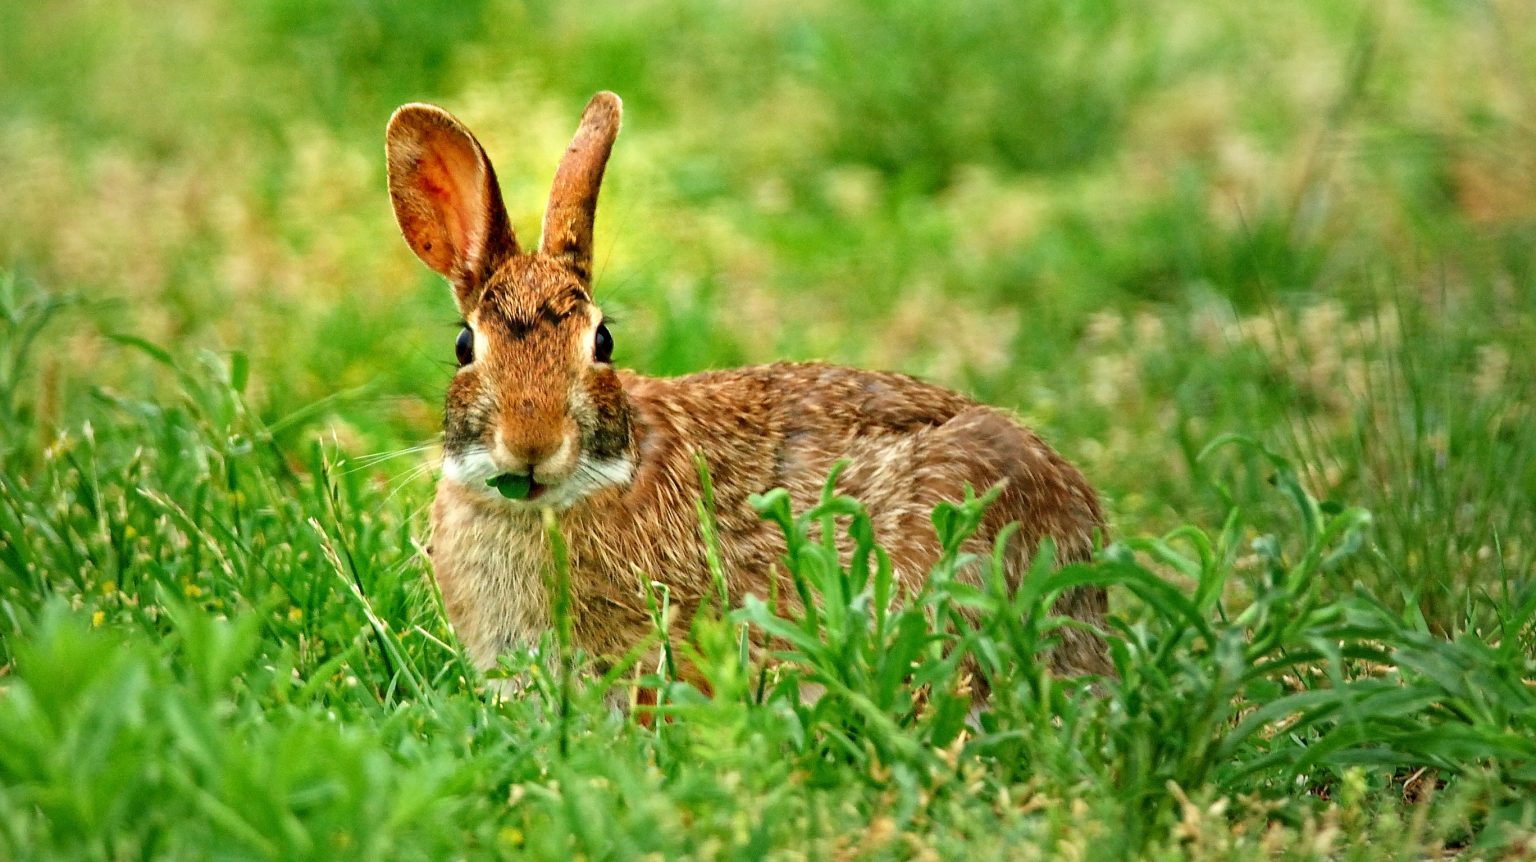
(464,348)
(602,344)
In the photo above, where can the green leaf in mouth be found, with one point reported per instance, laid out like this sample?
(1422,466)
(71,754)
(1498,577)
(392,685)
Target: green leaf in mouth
(511,485)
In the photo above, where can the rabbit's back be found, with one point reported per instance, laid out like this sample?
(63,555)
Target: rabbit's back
(910,445)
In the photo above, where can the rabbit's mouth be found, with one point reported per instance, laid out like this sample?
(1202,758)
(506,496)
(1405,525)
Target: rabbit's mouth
(517,486)
(474,470)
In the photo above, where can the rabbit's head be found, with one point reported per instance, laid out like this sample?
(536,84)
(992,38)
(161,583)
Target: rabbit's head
(535,406)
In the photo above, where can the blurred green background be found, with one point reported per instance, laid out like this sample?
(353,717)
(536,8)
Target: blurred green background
(1138,224)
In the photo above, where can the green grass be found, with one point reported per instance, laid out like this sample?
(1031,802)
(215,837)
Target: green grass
(1267,277)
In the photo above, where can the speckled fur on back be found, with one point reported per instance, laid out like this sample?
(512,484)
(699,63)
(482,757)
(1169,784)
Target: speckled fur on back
(612,453)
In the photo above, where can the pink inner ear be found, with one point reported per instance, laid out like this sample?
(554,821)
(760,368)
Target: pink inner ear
(449,178)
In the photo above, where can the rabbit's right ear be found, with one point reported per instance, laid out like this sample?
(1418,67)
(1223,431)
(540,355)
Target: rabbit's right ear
(446,199)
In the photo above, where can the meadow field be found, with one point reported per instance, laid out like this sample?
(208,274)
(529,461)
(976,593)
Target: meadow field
(1266,272)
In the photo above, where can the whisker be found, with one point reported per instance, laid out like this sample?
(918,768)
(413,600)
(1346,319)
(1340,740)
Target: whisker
(390,453)
(379,457)
(415,471)
(406,479)
(374,461)
(418,511)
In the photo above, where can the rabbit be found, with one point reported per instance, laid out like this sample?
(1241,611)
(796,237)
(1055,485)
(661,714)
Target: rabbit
(538,404)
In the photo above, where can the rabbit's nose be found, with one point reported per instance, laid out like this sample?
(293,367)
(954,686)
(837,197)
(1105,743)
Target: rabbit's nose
(532,453)
(526,453)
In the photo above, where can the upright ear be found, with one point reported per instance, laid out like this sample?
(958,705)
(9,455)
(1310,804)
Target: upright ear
(573,200)
(446,199)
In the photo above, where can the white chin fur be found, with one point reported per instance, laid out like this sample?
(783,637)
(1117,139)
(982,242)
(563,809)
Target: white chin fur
(472,468)
(589,477)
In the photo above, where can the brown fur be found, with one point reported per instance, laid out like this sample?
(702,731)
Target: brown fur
(535,401)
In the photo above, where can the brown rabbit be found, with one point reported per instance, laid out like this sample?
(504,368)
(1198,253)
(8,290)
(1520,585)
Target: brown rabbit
(538,406)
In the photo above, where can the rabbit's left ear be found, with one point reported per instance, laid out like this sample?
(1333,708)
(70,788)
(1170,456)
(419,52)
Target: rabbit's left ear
(573,199)
(446,199)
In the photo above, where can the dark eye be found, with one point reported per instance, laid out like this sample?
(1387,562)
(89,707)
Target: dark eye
(464,348)
(602,344)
